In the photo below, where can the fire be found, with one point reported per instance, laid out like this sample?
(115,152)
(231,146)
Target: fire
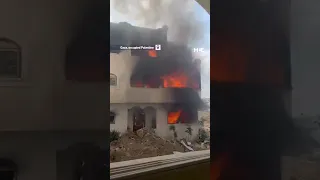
(173,117)
(152,53)
(175,80)
(179,80)
(139,84)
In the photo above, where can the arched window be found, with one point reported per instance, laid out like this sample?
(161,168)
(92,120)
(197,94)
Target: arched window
(10,59)
(113,80)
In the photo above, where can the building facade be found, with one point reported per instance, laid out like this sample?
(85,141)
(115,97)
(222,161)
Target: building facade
(125,101)
(130,102)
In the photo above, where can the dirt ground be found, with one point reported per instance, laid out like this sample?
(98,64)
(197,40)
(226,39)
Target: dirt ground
(135,146)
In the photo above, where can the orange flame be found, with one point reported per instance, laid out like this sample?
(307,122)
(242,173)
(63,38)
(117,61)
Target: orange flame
(176,80)
(152,53)
(173,117)
(138,84)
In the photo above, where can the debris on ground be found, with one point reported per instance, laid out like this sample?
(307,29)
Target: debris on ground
(186,145)
(142,144)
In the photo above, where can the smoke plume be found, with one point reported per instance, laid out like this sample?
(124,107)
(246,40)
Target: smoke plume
(178,15)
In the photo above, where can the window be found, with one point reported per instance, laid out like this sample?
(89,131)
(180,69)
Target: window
(112,117)
(182,116)
(10,59)
(113,80)
(154,123)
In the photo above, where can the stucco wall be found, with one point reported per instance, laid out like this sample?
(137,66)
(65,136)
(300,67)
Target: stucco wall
(44,99)
(35,153)
(121,118)
(162,127)
(122,65)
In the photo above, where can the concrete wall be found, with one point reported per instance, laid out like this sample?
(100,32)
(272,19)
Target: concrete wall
(122,121)
(35,153)
(122,65)
(44,99)
(121,118)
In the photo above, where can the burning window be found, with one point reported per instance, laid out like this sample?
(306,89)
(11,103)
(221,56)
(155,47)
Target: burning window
(146,81)
(113,80)
(112,117)
(152,73)
(179,79)
(182,115)
(10,59)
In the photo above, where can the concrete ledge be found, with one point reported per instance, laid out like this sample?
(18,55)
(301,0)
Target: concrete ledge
(157,164)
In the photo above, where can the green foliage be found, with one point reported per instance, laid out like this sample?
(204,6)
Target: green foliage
(172,128)
(189,131)
(114,135)
(175,135)
(202,135)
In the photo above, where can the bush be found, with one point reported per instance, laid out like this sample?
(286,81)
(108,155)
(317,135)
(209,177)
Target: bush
(114,135)
(172,128)
(202,135)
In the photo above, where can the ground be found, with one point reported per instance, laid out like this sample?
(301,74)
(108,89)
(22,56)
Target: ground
(145,144)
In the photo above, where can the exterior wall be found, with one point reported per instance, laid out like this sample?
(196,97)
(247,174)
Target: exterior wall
(122,65)
(121,118)
(44,99)
(122,121)
(35,153)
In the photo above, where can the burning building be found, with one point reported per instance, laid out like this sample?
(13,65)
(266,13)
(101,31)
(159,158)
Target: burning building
(152,89)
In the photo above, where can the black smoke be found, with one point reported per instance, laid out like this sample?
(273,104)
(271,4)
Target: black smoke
(183,29)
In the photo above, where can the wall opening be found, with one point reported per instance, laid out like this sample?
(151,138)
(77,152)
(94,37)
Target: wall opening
(137,117)
(10,59)
(150,117)
(112,117)
(113,80)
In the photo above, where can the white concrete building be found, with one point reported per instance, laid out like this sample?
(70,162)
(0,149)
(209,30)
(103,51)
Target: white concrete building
(124,99)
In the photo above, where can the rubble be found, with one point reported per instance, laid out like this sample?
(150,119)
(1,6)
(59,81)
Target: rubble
(145,143)
(204,118)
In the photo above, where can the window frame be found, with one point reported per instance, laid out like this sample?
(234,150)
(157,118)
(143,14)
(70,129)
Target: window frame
(114,77)
(8,45)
